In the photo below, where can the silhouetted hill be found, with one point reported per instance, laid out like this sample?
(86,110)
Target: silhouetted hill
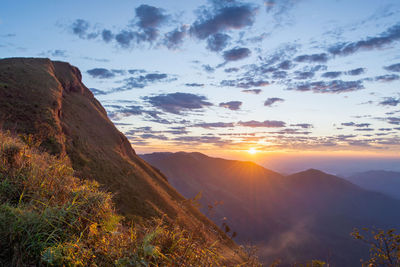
(387,182)
(47,100)
(303,216)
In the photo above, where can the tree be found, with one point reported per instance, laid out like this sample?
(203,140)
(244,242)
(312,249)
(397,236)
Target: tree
(384,246)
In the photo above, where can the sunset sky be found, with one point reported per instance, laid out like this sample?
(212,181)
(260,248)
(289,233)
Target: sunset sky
(226,76)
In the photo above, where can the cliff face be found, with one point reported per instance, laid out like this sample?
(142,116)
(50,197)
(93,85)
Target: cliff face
(48,100)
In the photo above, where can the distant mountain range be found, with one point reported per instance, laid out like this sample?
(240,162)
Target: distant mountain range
(387,182)
(307,215)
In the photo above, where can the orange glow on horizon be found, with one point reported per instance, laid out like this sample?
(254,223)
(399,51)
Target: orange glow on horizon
(252,151)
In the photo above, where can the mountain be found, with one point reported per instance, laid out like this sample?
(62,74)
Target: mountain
(47,102)
(387,182)
(307,215)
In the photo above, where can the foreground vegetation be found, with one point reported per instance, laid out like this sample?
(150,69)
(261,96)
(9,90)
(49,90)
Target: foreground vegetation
(49,217)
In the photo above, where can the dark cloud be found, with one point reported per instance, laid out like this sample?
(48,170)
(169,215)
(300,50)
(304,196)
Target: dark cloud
(266,124)
(244,83)
(390,101)
(153,136)
(232,105)
(210,125)
(279,74)
(217,42)
(335,86)
(391,35)
(177,103)
(194,84)
(252,91)
(394,67)
(208,68)
(303,75)
(101,73)
(237,53)
(224,18)
(303,125)
(393,120)
(270,101)
(359,125)
(199,140)
(119,112)
(314,58)
(285,65)
(229,70)
(80,27)
(174,39)
(355,72)
(387,78)
(107,35)
(332,74)
(142,81)
(150,17)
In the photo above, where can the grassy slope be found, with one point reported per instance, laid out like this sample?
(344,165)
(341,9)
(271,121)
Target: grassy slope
(48,100)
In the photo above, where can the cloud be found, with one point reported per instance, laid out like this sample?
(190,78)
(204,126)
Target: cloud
(393,120)
(303,75)
(177,103)
(266,124)
(391,35)
(237,53)
(80,27)
(359,125)
(252,91)
(199,140)
(390,101)
(194,84)
(387,78)
(232,105)
(223,19)
(101,73)
(355,72)
(270,101)
(150,17)
(107,35)
(210,125)
(244,83)
(303,125)
(142,81)
(229,70)
(217,42)
(314,58)
(208,68)
(332,74)
(394,67)
(335,86)
(174,39)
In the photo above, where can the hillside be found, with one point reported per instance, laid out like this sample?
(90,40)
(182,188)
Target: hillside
(307,215)
(386,182)
(47,103)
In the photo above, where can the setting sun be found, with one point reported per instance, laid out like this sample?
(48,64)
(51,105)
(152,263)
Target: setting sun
(252,151)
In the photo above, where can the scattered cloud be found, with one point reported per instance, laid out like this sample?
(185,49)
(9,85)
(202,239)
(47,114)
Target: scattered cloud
(391,35)
(314,58)
(335,86)
(232,105)
(332,74)
(303,125)
(387,78)
(270,101)
(355,72)
(101,73)
(217,42)
(237,53)
(252,91)
(177,103)
(194,84)
(360,125)
(174,39)
(210,125)
(266,124)
(390,101)
(394,67)
(223,19)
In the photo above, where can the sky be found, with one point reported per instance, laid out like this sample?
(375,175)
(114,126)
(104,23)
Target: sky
(302,80)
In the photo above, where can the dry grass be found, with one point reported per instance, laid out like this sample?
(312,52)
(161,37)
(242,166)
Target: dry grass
(49,217)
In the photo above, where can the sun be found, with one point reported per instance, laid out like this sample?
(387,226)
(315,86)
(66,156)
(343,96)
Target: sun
(252,151)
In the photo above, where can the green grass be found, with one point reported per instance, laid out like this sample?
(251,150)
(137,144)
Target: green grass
(48,217)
